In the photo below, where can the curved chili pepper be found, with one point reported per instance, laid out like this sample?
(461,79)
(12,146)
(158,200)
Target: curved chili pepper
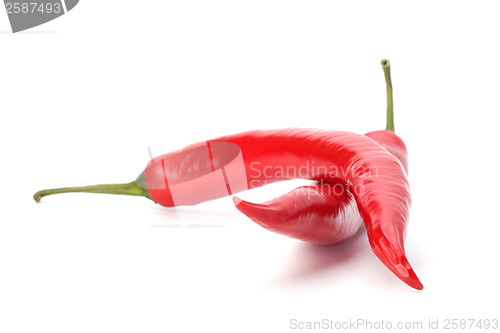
(321,213)
(223,166)
(335,212)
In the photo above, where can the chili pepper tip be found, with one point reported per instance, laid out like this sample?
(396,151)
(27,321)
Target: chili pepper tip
(236,200)
(393,256)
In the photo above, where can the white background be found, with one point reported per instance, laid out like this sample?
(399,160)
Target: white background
(84,96)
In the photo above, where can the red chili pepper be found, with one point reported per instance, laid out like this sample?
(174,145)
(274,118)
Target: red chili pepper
(220,167)
(272,215)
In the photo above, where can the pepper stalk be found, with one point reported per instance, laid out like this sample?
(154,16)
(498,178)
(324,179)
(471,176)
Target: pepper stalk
(386,66)
(135,188)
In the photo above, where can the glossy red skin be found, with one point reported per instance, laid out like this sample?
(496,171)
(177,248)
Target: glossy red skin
(378,236)
(318,214)
(376,178)
(321,213)
(393,143)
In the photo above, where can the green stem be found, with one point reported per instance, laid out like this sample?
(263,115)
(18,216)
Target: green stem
(124,189)
(386,65)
